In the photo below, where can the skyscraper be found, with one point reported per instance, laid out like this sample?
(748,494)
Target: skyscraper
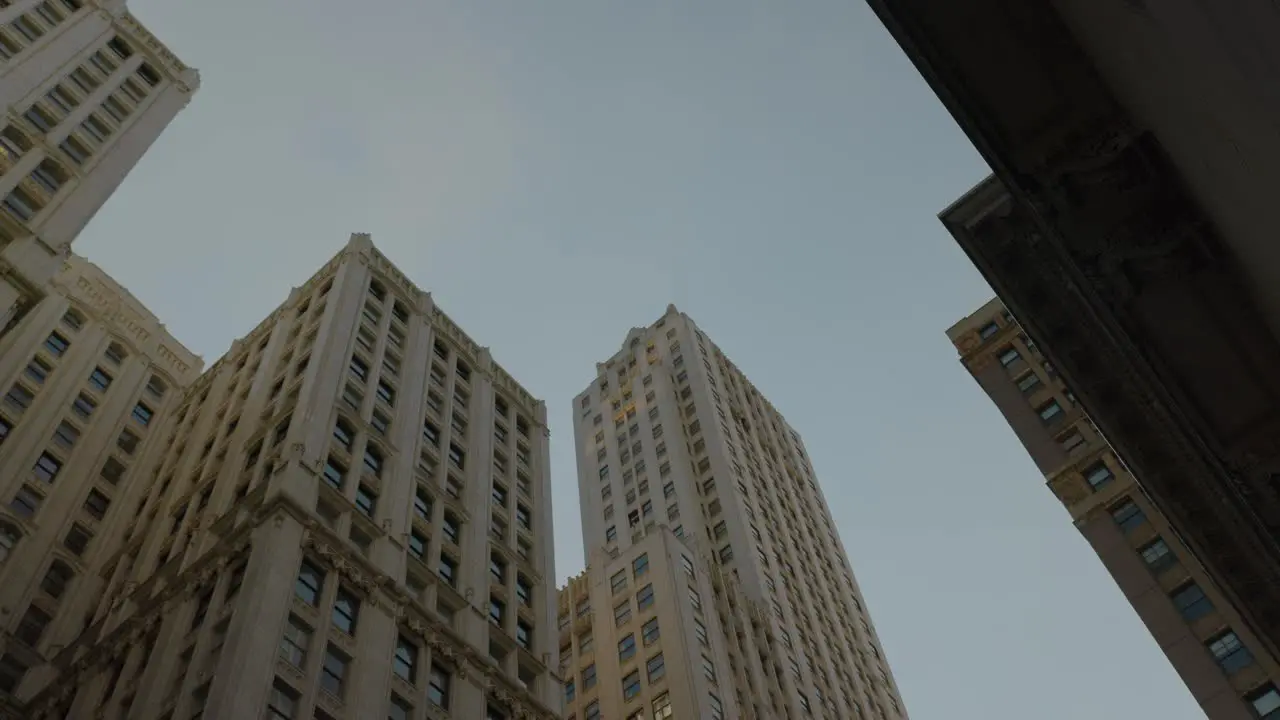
(348,515)
(86,90)
(1219,657)
(681,459)
(90,382)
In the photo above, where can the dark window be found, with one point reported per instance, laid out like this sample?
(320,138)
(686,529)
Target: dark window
(47,467)
(405,662)
(1098,475)
(1128,516)
(627,648)
(96,504)
(1266,702)
(1157,556)
(1191,602)
(333,473)
(346,611)
(439,687)
(366,500)
(56,344)
(333,674)
(309,583)
(142,414)
(1230,653)
(417,545)
(988,330)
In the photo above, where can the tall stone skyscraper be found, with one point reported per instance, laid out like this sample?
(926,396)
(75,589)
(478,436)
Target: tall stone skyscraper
(86,90)
(717,586)
(1226,667)
(348,515)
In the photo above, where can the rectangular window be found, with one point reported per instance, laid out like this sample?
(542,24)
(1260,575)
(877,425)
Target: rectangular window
(309,583)
(417,545)
(627,648)
(333,674)
(1128,516)
(47,467)
(644,598)
(96,504)
(294,642)
(1231,655)
(346,611)
(655,668)
(1157,556)
(283,703)
(1191,602)
(1098,475)
(988,330)
(38,370)
(1029,382)
(26,502)
(631,685)
(56,344)
(622,613)
(1050,413)
(405,662)
(19,398)
(142,414)
(366,500)
(650,632)
(640,566)
(439,687)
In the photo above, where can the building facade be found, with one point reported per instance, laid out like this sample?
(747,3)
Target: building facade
(673,439)
(1228,670)
(1130,228)
(316,535)
(86,90)
(90,381)
(640,636)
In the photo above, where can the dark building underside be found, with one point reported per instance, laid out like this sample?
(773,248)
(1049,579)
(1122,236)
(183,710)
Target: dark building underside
(1134,262)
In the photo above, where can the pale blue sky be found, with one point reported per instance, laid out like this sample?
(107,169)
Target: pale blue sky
(557,172)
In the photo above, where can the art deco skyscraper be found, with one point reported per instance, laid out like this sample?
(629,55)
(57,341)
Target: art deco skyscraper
(1229,671)
(349,517)
(709,542)
(86,90)
(89,381)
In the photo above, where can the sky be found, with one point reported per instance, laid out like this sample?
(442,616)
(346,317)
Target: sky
(556,172)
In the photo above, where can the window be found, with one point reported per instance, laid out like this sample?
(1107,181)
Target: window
(417,545)
(405,662)
(589,677)
(422,504)
(56,579)
(524,593)
(47,467)
(116,354)
(386,393)
(523,517)
(77,540)
(73,320)
(650,632)
(497,611)
(622,613)
(1191,602)
(497,568)
(344,434)
(1230,653)
(294,642)
(56,344)
(142,414)
(12,670)
(1050,412)
(82,406)
(640,565)
(309,583)
(366,500)
(400,709)
(373,461)
(1028,383)
(451,528)
(988,330)
(333,473)
(19,398)
(346,611)
(700,631)
(448,570)
(619,581)
(128,441)
(112,470)
(644,598)
(1071,442)
(156,387)
(439,687)
(631,685)
(592,711)
(32,625)
(569,689)
(655,668)
(283,703)
(662,707)
(1265,701)
(96,504)
(627,648)
(26,502)
(610,533)
(1098,475)
(1128,516)
(38,370)
(359,368)
(524,634)
(1157,556)
(5,428)
(333,673)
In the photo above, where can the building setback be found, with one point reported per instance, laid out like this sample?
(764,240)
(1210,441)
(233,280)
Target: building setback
(317,534)
(86,90)
(680,458)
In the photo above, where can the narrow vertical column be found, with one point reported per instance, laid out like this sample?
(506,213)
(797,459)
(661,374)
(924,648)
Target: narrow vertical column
(371,673)
(244,675)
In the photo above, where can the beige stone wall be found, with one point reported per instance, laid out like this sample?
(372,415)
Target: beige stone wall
(87,89)
(672,433)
